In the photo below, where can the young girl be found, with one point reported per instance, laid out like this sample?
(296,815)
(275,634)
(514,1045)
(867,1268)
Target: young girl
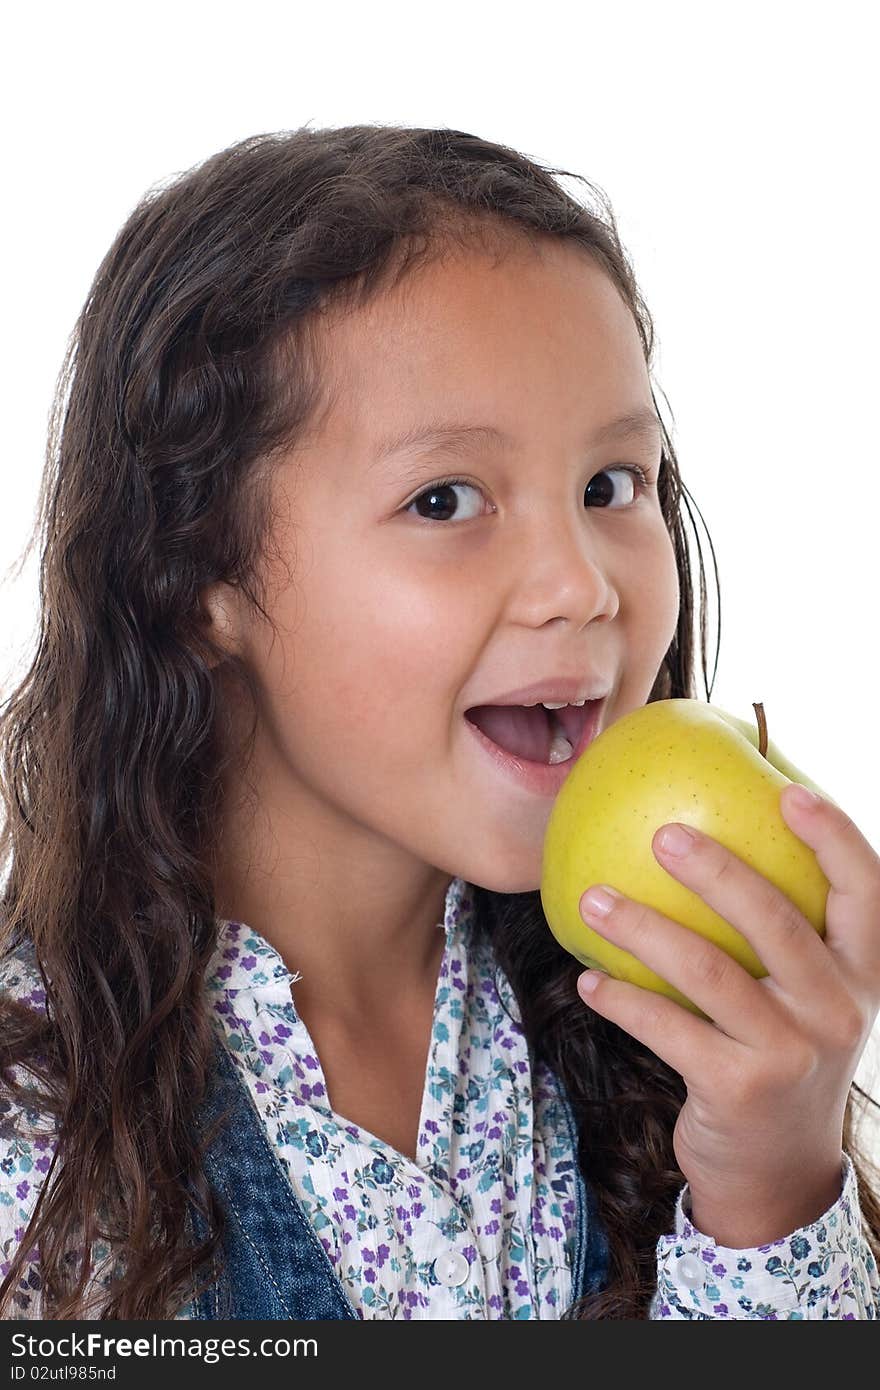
(355,463)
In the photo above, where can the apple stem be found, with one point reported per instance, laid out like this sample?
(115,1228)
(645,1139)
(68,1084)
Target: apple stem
(762,729)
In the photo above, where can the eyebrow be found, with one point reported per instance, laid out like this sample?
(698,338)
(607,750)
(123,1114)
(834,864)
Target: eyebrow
(640,423)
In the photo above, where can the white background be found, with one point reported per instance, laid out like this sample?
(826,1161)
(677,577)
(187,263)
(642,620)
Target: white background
(737,143)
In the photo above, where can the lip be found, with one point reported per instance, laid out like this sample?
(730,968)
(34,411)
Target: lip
(543,778)
(565,689)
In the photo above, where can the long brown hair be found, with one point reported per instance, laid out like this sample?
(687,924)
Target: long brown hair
(195,364)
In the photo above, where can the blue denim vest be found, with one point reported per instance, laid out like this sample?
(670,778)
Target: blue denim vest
(273,1264)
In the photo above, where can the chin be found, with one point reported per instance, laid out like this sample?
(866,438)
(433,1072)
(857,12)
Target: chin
(514,880)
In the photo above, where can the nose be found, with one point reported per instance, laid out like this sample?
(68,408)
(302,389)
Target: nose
(561,572)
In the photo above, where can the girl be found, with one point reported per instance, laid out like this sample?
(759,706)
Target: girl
(355,462)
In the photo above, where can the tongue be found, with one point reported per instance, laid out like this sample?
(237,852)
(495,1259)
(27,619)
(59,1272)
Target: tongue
(527,732)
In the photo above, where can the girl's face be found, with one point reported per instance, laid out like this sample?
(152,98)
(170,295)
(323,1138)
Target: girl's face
(409,604)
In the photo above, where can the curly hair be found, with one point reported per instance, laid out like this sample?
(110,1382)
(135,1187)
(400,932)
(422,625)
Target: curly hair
(196,362)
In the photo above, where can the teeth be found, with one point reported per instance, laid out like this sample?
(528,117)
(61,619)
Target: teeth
(560,749)
(548,704)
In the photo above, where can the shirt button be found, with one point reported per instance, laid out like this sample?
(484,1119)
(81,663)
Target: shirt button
(451,1269)
(691,1271)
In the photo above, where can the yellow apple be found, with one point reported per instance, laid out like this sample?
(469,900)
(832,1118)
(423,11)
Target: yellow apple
(672,760)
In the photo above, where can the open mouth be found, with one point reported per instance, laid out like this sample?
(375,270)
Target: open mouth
(533,732)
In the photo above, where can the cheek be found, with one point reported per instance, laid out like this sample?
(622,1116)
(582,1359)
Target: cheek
(651,597)
(658,610)
(376,639)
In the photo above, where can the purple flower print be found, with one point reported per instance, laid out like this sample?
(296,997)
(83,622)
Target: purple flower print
(386,1208)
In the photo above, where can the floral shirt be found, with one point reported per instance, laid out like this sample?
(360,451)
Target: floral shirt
(481,1224)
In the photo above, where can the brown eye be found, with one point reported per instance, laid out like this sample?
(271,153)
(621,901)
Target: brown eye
(604,491)
(438,502)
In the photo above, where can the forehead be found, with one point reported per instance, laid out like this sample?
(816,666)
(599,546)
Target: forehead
(502,338)
(550,291)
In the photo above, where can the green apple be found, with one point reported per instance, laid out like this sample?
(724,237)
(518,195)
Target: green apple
(672,760)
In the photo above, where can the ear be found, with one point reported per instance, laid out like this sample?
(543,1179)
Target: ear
(220,612)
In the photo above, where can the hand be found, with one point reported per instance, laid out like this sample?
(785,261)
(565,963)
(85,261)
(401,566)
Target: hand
(768,1071)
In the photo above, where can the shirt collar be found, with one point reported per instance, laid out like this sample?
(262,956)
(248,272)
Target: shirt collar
(244,961)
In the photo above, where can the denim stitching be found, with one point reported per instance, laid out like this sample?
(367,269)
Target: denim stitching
(289,1196)
(268,1271)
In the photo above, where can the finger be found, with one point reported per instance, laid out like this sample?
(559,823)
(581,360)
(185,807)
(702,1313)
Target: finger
(788,946)
(852,867)
(699,969)
(692,1046)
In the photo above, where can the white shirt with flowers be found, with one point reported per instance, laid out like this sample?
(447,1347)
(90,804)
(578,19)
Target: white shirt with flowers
(481,1224)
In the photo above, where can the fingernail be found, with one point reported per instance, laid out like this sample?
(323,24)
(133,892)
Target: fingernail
(598,902)
(803,798)
(588,981)
(676,840)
